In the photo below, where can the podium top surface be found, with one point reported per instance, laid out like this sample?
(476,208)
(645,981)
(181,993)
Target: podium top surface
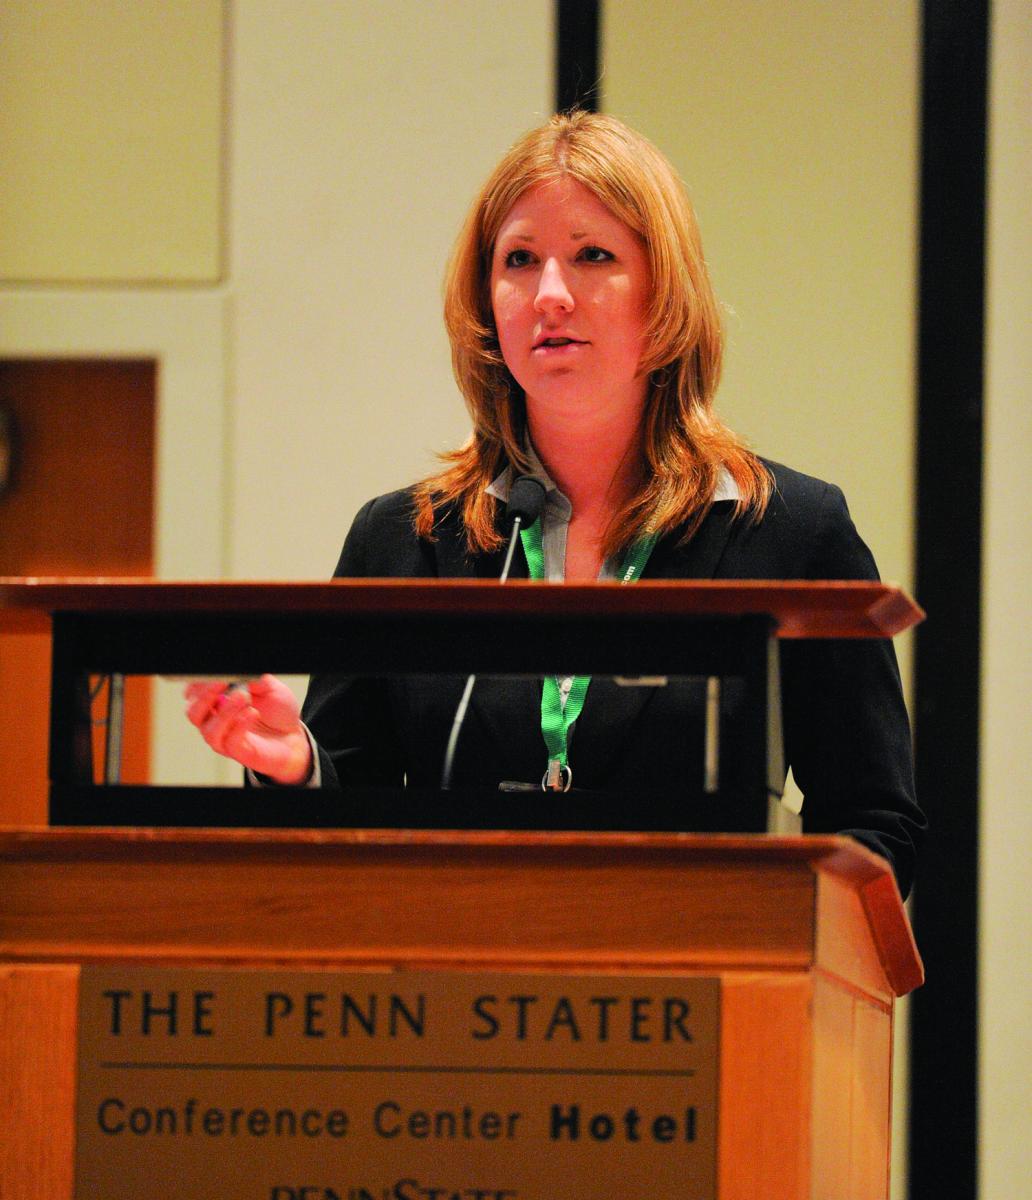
(838,855)
(800,608)
(689,900)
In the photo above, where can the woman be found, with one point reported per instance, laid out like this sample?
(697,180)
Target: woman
(587,342)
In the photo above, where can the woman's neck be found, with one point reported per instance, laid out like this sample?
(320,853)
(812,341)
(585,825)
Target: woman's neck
(594,459)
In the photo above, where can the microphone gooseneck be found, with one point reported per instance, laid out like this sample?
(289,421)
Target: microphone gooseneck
(526,500)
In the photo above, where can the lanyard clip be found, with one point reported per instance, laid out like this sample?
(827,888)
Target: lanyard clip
(557,778)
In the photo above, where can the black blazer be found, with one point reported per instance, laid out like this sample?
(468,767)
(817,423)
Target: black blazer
(847,737)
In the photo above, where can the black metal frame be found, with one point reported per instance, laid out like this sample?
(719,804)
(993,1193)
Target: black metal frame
(227,643)
(577,54)
(943,1125)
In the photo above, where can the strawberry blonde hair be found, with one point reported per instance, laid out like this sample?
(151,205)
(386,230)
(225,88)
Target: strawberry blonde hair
(684,445)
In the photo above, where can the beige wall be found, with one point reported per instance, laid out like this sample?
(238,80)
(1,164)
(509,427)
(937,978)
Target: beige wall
(1005,976)
(795,128)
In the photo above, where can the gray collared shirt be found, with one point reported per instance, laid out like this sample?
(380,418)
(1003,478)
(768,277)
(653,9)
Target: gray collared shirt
(555,518)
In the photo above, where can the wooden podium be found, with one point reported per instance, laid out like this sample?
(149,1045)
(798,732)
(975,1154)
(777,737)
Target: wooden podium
(805,938)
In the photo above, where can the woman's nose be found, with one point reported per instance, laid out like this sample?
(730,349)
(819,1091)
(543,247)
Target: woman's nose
(553,291)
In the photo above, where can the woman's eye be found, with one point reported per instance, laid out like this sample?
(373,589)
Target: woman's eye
(595,254)
(518,258)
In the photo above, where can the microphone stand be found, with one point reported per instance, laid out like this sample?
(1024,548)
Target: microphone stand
(526,501)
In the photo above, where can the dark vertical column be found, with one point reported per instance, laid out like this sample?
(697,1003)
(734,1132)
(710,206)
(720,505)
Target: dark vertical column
(71,726)
(577,54)
(944,1015)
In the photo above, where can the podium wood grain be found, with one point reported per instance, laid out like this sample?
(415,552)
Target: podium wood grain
(38,1023)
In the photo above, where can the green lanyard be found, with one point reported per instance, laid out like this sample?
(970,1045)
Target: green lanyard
(557,718)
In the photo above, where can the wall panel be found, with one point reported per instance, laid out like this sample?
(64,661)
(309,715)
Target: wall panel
(110,139)
(1005,978)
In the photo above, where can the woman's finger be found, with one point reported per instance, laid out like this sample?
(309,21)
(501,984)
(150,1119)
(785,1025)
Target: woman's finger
(202,696)
(224,713)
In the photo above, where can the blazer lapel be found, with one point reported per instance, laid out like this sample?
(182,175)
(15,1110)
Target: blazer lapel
(611,714)
(454,560)
(701,557)
(508,709)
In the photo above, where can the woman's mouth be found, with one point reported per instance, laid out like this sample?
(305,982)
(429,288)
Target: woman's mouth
(554,345)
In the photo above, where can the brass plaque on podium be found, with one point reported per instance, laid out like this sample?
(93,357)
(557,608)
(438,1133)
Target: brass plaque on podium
(432,1085)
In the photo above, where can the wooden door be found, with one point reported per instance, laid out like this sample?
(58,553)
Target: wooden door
(81,503)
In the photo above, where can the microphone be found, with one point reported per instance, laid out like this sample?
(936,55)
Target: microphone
(526,500)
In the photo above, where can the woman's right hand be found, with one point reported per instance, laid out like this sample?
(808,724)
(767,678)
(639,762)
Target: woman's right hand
(258,724)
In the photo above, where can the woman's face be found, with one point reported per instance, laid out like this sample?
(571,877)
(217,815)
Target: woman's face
(569,288)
